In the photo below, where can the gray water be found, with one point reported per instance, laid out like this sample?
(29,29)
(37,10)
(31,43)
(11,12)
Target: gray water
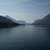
(24,38)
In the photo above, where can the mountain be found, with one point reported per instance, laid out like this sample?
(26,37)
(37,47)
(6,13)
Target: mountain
(44,21)
(21,22)
(5,21)
(11,18)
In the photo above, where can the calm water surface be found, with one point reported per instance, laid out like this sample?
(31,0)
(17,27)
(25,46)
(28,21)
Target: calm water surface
(24,38)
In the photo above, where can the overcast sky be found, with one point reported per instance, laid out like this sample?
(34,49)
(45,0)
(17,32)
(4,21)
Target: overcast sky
(28,10)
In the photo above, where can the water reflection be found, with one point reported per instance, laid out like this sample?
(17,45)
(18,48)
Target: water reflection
(24,38)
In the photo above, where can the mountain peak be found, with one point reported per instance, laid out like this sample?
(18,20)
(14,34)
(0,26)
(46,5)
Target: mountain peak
(49,14)
(44,21)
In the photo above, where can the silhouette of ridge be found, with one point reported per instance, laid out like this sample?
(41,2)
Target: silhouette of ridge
(6,22)
(45,21)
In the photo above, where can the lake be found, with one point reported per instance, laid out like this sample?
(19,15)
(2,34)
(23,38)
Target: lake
(26,37)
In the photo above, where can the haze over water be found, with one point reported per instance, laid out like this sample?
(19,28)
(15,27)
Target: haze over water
(25,37)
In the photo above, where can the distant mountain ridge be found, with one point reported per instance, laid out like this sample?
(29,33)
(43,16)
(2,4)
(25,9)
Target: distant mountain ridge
(4,21)
(44,21)
(11,18)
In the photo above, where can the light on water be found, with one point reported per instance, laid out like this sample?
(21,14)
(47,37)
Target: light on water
(24,37)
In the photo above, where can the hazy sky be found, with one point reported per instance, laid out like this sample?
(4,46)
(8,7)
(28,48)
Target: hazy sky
(28,10)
